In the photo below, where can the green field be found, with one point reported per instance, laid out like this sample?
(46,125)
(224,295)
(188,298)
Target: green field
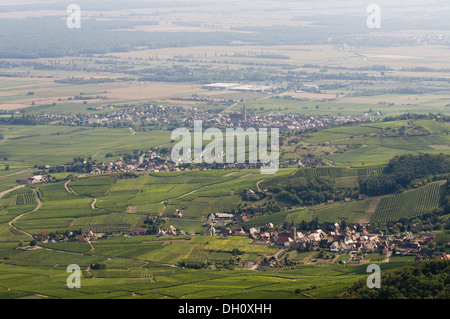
(110,204)
(56,145)
(354,212)
(340,106)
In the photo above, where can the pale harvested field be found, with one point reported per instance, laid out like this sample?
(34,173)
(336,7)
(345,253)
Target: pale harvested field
(440,147)
(397,99)
(435,57)
(311,96)
(298,54)
(234,95)
(12,106)
(138,91)
(49,92)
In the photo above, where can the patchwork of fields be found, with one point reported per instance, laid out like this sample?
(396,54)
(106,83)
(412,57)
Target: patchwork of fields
(137,269)
(107,204)
(147,266)
(374,144)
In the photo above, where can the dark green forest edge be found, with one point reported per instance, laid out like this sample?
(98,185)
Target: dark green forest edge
(430,280)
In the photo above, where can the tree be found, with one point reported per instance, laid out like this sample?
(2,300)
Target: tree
(99,266)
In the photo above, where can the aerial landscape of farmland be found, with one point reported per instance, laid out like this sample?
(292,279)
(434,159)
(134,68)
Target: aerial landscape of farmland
(232,150)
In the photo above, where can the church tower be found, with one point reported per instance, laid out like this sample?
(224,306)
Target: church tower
(293,234)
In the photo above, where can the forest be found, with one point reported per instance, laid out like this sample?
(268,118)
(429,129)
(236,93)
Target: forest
(429,280)
(303,191)
(402,171)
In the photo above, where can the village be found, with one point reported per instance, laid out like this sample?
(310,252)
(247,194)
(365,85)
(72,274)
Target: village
(184,116)
(354,241)
(148,161)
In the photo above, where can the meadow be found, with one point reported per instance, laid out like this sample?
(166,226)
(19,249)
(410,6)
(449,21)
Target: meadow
(56,145)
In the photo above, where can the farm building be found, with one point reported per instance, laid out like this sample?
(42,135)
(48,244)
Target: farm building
(138,231)
(220,86)
(223,216)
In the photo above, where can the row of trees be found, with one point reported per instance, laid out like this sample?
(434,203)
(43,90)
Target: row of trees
(23,119)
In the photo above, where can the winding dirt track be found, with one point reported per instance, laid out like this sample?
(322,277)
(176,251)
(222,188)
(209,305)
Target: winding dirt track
(93,203)
(67,187)
(10,190)
(38,206)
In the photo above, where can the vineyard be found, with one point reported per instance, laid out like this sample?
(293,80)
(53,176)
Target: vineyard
(338,172)
(25,199)
(68,246)
(344,177)
(144,274)
(92,186)
(409,204)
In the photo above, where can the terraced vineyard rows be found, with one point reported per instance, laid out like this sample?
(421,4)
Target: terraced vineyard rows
(337,172)
(25,199)
(409,204)
(92,186)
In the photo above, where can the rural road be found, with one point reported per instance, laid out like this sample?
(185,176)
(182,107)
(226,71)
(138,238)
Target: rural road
(16,173)
(38,206)
(260,259)
(10,190)
(93,203)
(67,187)
(257,185)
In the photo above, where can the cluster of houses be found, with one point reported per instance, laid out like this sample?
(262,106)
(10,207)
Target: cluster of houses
(34,179)
(70,236)
(311,161)
(352,239)
(150,161)
(290,121)
(183,115)
(171,231)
